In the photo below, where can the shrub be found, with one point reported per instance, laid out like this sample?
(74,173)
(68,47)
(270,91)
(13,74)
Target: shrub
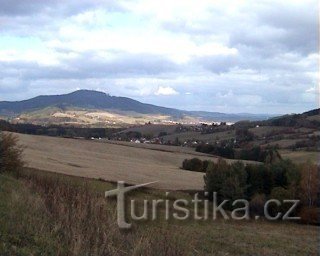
(253,154)
(271,155)
(309,215)
(281,194)
(257,204)
(10,154)
(244,135)
(259,180)
(194,164)
(225,150)
(285,173)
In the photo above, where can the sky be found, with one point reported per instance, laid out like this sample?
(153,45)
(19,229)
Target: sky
(232,56)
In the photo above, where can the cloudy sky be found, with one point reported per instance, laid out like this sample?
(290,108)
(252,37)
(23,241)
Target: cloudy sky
(227,56)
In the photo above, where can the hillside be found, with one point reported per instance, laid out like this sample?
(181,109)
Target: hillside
(83,99)
(107,161)
(37,207)
(92,101)
(309,119)
(295,136)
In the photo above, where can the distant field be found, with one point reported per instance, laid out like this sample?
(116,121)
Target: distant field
(112,162)
(264,130)
(165,148)
(285,143)
(212,137)
(301,156)
(153,129)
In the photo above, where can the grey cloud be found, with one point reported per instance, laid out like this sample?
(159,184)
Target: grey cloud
(270,26)
(217,63)
(42,17)
(249,58)
(282,27)
(299,22)
(90,66)
(54,7)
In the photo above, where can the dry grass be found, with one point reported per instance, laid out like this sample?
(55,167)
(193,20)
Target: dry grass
(45,215)
(57,215)
(110,162)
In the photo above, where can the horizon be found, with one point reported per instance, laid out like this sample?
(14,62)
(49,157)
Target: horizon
(252,57)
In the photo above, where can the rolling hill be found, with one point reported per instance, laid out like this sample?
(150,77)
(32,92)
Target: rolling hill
(94,100)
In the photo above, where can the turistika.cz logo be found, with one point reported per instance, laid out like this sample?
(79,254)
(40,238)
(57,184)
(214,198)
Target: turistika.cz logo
(183,209)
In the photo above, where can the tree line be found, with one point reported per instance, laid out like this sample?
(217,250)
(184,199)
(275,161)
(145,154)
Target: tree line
(281,180)
(227,150)
(59,131)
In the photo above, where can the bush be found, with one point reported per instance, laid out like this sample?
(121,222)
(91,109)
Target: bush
(226,150)
(310,215)
(259,180)
(253,154)
(281,194)
(243,135)
(10,154)
(194,164)
(257,204)
(285,173)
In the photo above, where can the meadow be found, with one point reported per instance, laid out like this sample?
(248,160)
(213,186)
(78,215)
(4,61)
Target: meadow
(44,213)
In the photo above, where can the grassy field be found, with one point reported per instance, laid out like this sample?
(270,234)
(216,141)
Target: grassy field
(301,156)
(264,130)
(284,143)
(111,162)
(52,214)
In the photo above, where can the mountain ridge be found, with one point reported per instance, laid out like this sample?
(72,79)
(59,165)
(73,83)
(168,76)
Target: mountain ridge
(90,99)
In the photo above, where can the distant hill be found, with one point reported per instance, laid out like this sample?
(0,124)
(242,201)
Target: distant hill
(309,119)
(83,99)
(94,100)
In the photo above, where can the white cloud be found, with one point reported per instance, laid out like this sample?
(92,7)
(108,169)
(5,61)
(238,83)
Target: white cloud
(166,91)
(311,90)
